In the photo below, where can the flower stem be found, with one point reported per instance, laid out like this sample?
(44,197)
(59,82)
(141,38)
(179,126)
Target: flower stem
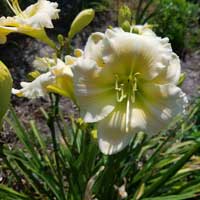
(52,118)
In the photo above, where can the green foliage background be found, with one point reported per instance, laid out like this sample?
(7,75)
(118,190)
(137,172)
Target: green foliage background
(178,20)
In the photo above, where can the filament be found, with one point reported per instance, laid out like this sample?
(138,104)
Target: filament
(14,6)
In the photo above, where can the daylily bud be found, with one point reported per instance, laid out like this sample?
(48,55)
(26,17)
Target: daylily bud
(5,89)
(61,39)
(81,21)
(126,26)
(124,15)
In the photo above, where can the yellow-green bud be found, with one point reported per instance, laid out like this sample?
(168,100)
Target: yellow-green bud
(5,89)
(81,21)
(124,15)
(60,39)
(126,26)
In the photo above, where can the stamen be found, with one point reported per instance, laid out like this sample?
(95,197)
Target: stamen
(14,6)
(11,7)
(120,90)
(134,87)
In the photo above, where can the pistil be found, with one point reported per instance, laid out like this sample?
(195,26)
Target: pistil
(125,91)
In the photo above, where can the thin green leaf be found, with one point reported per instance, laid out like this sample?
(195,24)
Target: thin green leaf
(12,193)
(172,170)
(174,197)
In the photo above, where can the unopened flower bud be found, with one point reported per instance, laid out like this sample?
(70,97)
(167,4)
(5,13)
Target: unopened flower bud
(5,89)
(124,15)
(81,21)
(126,26)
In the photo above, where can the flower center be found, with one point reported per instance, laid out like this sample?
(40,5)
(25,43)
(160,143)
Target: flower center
(126,88)
(126,91)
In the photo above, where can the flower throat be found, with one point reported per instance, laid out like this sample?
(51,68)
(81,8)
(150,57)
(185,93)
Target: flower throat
(127,88)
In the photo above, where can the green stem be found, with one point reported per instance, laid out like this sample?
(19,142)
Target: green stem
(52,118)
(68,46)
(62,132)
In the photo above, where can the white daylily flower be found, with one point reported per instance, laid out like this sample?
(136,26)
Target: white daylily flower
(31,21)
(38,15)
(58,79)
(127,83)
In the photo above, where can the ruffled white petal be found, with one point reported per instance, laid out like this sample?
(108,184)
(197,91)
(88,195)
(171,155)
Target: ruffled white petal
(95,99)
(171,73)
(111,140)
(60,69)
(161,103)
(56,66)
(112,131)
(126,52)
(36,88)
(93,48)
(39,15)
